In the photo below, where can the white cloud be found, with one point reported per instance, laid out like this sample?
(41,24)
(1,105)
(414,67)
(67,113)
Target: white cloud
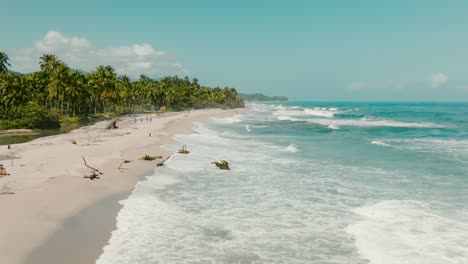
(80,53)
(439,79)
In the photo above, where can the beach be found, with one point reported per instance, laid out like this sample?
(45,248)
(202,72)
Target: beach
(51,214)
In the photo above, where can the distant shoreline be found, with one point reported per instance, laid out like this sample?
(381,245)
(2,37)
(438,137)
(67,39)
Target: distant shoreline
(258,97)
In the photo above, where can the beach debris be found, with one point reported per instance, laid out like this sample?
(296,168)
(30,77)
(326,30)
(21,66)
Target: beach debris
(150,158)
(122,163)
(183,150)
(160,164)
(73,142)
(222,165)
(3,171)
(113,124)
(94,174)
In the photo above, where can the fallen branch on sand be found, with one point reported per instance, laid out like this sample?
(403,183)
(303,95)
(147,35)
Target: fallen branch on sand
(94,172)
(94,169)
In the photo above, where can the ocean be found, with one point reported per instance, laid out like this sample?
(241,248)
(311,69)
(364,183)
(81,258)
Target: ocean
(310,182)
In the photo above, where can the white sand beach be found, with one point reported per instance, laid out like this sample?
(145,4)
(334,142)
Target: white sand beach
(46,185)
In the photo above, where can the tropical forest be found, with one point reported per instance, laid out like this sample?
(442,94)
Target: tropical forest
(58,96)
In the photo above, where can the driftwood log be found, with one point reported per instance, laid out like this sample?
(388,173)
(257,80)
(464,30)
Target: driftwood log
(94,174)
(94,169)
(183,150)
(112,124)
(3,171)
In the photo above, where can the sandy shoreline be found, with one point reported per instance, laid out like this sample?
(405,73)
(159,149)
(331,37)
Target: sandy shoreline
(53,206)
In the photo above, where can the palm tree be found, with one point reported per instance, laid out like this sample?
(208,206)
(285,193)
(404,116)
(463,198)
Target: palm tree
(58,84)
(4,62)
(49,63)
(126,91)
(74,93)
(22,90)
(38,88)
(7,82)
(104,83)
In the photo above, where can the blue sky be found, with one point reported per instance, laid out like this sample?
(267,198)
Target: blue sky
(307,50)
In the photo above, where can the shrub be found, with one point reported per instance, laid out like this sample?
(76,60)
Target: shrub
(30,115)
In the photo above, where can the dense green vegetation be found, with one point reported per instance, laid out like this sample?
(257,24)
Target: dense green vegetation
(58,95)
(261,97)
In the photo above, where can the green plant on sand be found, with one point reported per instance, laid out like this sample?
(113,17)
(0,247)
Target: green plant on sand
(148,157)
(223,165)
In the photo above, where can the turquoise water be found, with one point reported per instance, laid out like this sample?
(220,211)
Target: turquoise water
(310,183)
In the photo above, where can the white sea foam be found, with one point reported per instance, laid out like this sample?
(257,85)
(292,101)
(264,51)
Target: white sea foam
(380,143)
(317,111)
(296,113)
(431,144)
(290,118)
(368,122)
(322,112)
(293,148)
(228,120)
(395,231)
(280,107)
(453,148)
(333,123)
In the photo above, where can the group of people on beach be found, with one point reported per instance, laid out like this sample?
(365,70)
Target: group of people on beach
(148,119)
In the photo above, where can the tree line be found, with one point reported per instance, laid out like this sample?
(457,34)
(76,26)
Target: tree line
(41,98)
